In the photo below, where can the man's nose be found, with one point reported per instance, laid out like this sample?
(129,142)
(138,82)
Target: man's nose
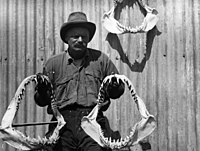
(80,39)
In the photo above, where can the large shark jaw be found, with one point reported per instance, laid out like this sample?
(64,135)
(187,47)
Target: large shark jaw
(138,132)
(17,139)
(113,26)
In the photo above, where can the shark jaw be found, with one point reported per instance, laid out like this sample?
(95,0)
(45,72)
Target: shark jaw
(113,26)
(139,131)
(16,138)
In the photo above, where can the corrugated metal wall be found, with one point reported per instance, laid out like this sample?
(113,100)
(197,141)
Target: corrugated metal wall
(164,64)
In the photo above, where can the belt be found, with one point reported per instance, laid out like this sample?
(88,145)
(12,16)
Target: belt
(76,107)
(73,109)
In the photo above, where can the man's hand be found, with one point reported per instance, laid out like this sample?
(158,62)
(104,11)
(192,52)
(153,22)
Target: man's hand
(43,84)
(43,90)
(115,88)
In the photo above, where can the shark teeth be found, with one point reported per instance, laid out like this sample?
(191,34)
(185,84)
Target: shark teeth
(116,144)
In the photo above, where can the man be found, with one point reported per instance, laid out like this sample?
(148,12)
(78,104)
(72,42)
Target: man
(76,75)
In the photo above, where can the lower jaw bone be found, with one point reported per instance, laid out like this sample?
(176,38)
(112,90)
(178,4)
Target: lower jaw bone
(141,130)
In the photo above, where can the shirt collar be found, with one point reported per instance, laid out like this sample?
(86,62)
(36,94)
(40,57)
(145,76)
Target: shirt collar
(70,59)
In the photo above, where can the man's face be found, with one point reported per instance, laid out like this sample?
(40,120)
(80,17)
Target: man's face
(77,38)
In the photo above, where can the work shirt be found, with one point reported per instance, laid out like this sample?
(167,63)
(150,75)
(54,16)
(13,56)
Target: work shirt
(78,85)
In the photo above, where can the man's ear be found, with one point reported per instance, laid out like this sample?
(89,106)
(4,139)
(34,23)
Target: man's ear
(66,38)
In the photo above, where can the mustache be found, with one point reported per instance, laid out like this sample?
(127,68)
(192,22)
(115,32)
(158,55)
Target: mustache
(80,44)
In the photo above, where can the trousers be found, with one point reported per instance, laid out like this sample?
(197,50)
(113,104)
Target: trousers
(72,136)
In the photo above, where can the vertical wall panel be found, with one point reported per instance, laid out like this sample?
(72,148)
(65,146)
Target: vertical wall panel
(163,64)
(4,60)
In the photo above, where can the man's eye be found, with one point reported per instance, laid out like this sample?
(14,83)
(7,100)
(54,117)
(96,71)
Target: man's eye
(76,37)
(85,38)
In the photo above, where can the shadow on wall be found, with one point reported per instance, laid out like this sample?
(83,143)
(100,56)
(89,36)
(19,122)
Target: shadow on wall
(114,41)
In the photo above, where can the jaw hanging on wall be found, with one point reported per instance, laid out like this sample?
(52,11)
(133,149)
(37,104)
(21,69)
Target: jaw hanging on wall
(113,26)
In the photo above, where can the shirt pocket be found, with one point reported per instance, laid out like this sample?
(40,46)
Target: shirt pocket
(93,82)
(63,88)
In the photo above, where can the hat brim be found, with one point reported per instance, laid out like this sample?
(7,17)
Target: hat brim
(66,26)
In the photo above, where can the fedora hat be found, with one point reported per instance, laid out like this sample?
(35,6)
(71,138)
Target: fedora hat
(77,19)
